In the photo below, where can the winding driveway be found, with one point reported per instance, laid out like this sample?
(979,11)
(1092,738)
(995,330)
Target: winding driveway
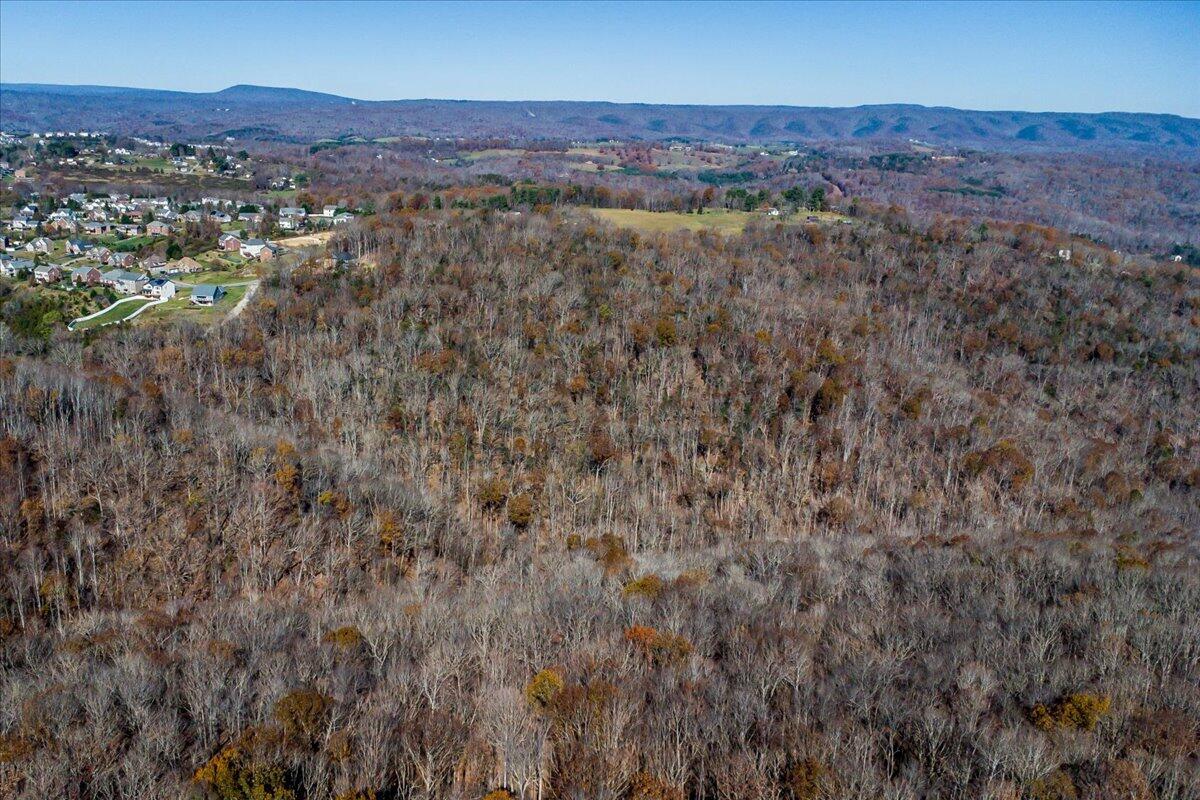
(71,325)
(245,301)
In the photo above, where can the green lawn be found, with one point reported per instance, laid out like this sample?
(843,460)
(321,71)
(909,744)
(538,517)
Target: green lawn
(180,308)
(113,315)
(152,163)
(228,265)
(221,276)
(120,245)
(180,301)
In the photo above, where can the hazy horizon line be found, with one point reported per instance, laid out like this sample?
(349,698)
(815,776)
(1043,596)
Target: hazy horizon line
(11,83)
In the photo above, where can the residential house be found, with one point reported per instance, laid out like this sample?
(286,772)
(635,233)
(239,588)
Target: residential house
(186,264)
(77,247)
(15,267)
(96,228)
(122,260)
(158,228)
(154,265)
(22,222)
(220,217)
(123,281)
(343,218)
(98,253)
(339,259)
(193,216)
(229,241)
(251,218)
(252,248)
(329,211)
(62,225)
(159,288)
(40,245)
(206,294)
(47,273)
(87,276)
(129,229)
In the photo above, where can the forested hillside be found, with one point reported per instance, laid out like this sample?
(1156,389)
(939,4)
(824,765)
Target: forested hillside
(522,505)
(291,114)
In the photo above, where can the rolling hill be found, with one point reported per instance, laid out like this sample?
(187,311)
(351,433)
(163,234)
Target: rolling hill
(298,115)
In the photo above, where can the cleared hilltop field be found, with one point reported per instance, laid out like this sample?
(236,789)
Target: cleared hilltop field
(720,220)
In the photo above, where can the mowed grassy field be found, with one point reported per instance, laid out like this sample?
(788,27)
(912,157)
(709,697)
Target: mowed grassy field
(720,220)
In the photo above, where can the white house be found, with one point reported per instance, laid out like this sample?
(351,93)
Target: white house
(159,288)
(15,267)
(252,248)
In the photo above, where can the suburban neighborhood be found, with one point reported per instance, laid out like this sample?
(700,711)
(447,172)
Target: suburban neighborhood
(89,254)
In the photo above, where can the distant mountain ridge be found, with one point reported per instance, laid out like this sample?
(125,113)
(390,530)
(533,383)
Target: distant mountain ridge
(301,115)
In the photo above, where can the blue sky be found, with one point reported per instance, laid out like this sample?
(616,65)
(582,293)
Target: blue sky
(1030,56)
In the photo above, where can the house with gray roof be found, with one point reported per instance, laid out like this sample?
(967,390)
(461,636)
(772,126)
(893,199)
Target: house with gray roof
(159,287)
(207,294)
(15,267)
(47,273)
(123,281)
(88,276)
